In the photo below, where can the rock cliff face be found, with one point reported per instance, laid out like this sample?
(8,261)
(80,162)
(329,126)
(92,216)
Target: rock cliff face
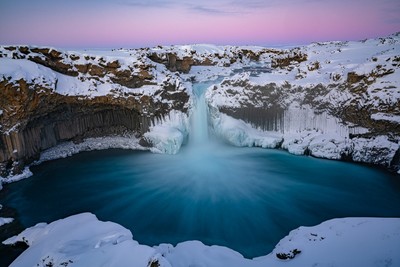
(39,109)
(333,100)
(339,96)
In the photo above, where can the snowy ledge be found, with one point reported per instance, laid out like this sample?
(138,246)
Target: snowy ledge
(83,240)
(328,144)
(68,149)
(3,220)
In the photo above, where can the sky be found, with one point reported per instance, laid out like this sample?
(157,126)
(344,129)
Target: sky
(141,23)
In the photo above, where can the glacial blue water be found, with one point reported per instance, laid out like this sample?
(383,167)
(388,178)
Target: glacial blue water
(244,198)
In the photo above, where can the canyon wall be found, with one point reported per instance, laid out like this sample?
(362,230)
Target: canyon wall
(340,96)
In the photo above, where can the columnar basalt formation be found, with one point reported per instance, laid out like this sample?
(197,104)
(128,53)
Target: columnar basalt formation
(36,114)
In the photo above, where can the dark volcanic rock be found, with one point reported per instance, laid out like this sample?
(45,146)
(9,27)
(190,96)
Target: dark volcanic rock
(173,63)
(34,117)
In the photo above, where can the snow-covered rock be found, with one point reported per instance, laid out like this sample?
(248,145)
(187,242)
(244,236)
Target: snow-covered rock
(168,134)
(5,220)
(2,219)
(239,133)
(315,98)
(82,240)
(332,100)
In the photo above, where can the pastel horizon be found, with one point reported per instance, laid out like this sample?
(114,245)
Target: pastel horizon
(134,23)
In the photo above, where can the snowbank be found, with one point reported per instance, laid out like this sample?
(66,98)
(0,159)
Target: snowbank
(15,177)
(242,134)
(4,220)
(68,149)
(82,240)
(168,134)
(377,150)
(239,133)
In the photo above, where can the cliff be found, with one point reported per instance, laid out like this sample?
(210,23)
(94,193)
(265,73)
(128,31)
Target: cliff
(48,97)
(336,100)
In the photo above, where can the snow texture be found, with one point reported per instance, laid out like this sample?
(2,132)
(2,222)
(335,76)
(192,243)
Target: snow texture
(168,134)
(386,117)
(2,219)
(5,220)
(69,148)
(239,133)
(16,177)
(82,240)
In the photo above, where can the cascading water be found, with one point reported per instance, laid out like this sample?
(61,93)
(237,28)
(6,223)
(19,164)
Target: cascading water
(199,124)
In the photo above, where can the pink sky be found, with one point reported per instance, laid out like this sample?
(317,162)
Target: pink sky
(134,23)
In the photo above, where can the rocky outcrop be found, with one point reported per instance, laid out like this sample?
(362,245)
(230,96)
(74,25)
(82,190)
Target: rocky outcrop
(181,60)
(173,63)
(322,94)
(85,66)
(42,120)
(49,96)
(34,116)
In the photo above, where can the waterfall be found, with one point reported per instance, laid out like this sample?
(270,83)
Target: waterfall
(199,118)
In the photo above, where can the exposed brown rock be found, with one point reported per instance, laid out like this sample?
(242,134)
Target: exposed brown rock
(353,77)
(294,57)
(35,118)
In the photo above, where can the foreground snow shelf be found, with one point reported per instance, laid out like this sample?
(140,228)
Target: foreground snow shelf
(83,240)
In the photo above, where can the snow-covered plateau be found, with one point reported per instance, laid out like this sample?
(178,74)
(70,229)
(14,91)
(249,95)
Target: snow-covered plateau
(83,240)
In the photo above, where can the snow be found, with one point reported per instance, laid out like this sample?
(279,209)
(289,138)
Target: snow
(5,220)
(345,242)
(68,149)
(328,140)
(26,173)
(376,150)
(239,133)
(307,126)
(386,117)
(301,130)
(84,84)
(168,134)
(335,60)
(208,73)
(82,240)
(26,70)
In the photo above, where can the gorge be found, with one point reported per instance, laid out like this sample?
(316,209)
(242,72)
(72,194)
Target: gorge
(191,104)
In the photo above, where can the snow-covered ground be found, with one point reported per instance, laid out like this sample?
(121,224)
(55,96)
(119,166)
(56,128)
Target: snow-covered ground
(69,148)
(83,240)
(168,134)
(303,129)
(370,67)
(5,220)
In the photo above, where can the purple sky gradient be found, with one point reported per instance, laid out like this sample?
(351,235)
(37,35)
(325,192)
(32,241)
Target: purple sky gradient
(136,23)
